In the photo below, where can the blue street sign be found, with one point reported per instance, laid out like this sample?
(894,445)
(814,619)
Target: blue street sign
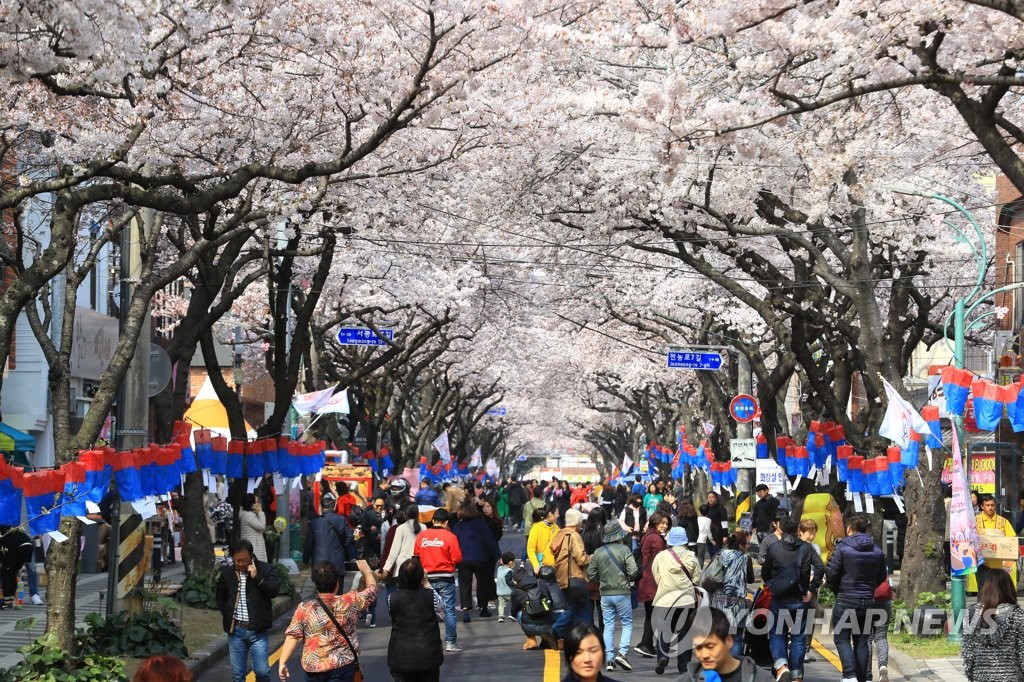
(691,359)
(363,336)
(497,411)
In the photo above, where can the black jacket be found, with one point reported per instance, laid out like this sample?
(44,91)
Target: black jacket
(855,568)
(516,494)
(718,516)
(329,538)
(689,524)
(784,554)
(764,513)
(259,592)
(415,643)
(527,581)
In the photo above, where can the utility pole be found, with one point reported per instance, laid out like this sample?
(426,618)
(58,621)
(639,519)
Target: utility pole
(743,386)
(127,542)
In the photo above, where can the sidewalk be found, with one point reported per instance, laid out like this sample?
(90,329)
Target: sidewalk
(87,600)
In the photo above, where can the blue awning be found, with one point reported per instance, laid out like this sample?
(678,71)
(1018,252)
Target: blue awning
(22,441)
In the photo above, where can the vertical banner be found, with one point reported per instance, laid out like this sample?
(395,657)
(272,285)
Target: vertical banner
(443,448)
(963,530)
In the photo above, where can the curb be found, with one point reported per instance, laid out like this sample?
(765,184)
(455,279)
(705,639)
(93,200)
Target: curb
(204,659)
(908,667)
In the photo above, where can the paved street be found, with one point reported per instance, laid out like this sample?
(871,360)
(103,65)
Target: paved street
(492,651)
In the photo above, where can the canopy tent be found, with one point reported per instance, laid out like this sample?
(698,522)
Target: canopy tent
(207,412)
(16,443)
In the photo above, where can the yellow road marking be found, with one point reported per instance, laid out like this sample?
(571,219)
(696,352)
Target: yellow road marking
(251,677)
(829,656)
(552,665)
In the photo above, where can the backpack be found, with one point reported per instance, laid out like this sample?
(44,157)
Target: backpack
(538,601)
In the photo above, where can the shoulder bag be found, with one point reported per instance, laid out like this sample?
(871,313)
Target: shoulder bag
(698,592)
(576,589)
(619,564)
(355,656)
(714,577)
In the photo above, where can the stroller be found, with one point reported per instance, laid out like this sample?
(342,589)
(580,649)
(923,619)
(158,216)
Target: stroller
(755,639)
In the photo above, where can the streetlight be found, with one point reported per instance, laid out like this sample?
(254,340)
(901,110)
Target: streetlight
(962,310)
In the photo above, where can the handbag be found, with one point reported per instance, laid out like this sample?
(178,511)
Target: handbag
(884,591)
(359,671)
(577,590)
(714,577)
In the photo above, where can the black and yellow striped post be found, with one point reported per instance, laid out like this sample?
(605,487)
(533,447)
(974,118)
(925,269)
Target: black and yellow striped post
(131,552)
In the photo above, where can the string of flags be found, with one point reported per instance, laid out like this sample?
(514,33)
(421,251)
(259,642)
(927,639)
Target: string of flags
(144,475)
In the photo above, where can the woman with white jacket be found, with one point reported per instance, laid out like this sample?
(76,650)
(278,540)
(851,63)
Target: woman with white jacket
(403,544)
(253,523)
(675,603)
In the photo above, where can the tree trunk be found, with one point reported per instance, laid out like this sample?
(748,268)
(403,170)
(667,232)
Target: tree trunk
(197,550)
(62,582)
(922,567)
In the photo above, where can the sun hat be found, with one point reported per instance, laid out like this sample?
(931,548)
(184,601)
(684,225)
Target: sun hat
(676,537)
(613,532)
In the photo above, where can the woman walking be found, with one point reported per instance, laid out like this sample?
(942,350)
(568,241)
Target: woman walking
(415,653)
(592,530)
(677,574)
(731,597)
(253,523)
(480,552)
(687,519)
(402,546)
(634,520)
(993,643)
(326,626)
(652,543)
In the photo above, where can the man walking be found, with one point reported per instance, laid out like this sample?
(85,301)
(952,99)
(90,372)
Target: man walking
(712,651)
(516,501)
(765,509)
(439,553)
(245,594)
(855,568)
(793,571)
(771,538)
(719,523)
(328,538)
(571,561)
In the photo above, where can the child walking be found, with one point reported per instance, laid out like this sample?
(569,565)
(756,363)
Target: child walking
(501,577)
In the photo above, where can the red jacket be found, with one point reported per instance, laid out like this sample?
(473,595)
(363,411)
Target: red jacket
(438,550)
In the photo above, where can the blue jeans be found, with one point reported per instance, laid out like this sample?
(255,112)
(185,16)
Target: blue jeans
(578,612)
(345,673)
(31,576)
(446,590)
(241,644)
(789,617)
(611,607)
(850,621)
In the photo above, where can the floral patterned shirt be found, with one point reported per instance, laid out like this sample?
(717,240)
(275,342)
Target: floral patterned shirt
(323,647)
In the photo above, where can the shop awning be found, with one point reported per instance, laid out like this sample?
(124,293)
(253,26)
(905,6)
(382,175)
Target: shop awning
(13,440)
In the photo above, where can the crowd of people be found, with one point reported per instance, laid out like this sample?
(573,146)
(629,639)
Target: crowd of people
(593,555)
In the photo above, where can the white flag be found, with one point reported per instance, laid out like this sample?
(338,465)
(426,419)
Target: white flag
(336,403)
(442,447)
(491,468)
(627,464)
(900,419)
(476,460)
(304,403)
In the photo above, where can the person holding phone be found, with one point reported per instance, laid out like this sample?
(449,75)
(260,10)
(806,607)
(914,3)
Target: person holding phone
(245,595)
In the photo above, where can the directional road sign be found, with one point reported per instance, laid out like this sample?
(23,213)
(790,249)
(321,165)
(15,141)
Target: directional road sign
(498,411)
(743,408)
(694,359)
(364,336)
